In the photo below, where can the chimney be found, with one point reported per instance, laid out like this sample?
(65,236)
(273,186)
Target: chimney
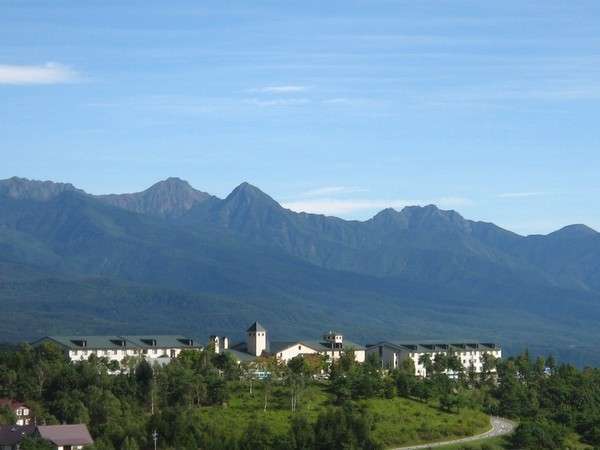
(225,342)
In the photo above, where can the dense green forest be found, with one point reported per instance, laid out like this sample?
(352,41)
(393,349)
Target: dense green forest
(205,400)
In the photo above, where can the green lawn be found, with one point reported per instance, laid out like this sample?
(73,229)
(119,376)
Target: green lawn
(399,421)
(503,443)
(404,422)
(496,443)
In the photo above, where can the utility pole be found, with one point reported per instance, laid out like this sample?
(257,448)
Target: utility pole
(152,386)
(155,438)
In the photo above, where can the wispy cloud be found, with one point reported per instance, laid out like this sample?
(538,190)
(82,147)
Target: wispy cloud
(49,73)
(278,102)
(521,194)
(280,89)
(331,206)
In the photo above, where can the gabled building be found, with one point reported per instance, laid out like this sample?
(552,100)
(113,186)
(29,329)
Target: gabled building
(153,348)
(20,410)
(471,355)
(66,437)
(62,437)
(257,344)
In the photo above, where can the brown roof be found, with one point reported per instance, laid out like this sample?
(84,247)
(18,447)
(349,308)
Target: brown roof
(66,434)
(12,404)
(13,434)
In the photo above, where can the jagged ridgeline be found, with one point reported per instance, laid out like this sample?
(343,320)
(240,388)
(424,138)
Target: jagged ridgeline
(176,259)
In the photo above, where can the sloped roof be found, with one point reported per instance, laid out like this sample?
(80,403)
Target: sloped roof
(92,342)
(169,341)
(432,347)
(12,404)
(256,327)
(319,346)
(113,342)
(61,435)
(240,356)
(13,434)
(278,346)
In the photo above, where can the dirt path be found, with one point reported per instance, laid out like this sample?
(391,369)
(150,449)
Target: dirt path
(500,427)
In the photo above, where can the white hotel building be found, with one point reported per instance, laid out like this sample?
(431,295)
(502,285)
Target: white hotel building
(258,344)
(392,354)
(153,348)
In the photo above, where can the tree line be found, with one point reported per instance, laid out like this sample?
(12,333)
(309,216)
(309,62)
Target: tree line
(124,406)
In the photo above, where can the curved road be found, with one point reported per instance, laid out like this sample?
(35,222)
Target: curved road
(500,427)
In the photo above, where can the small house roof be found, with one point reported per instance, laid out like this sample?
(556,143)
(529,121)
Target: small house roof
(61,435)
(11,435)
(12,404)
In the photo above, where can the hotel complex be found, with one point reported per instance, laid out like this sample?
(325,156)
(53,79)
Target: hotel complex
(160,349)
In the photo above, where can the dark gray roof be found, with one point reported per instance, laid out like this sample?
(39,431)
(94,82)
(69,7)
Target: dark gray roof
(161,341)
(240,356)
(119,342)
(256,327)
(431,347)
(13,434)
(61,435)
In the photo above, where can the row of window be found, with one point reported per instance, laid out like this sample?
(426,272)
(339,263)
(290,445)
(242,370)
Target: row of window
(117,352)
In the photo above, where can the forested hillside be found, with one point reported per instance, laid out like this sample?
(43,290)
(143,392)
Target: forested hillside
(176,259)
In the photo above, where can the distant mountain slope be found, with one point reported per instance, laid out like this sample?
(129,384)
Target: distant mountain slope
(181,258)
(169,198)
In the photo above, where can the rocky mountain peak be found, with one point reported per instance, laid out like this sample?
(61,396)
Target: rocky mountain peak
(26,189)
(247,194)
(167,198)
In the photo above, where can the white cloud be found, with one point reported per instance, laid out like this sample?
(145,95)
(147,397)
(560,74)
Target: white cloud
(330,206)
(280,89)
(520,194)
(49,73)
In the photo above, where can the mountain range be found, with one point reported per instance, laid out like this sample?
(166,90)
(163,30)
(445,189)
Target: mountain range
(174,259)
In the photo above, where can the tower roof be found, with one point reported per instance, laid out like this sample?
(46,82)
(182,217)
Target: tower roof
(256,327)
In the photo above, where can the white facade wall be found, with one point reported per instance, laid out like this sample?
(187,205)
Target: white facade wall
(392,358)
(256,342)
(297,349)
(301,349)
(120,354)
(22,414)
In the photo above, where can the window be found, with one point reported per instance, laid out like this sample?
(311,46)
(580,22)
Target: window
(299,347)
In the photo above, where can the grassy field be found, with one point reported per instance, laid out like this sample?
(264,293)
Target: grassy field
(496,443)
(403,422)
(398,421)
(503,443)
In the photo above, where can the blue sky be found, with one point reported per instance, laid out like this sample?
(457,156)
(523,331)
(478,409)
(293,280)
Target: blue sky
(337,107)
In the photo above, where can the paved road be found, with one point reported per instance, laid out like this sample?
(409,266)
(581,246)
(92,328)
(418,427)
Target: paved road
(500,427)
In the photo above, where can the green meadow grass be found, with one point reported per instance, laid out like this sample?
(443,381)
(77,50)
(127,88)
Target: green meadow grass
(398,421)
(401,421)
